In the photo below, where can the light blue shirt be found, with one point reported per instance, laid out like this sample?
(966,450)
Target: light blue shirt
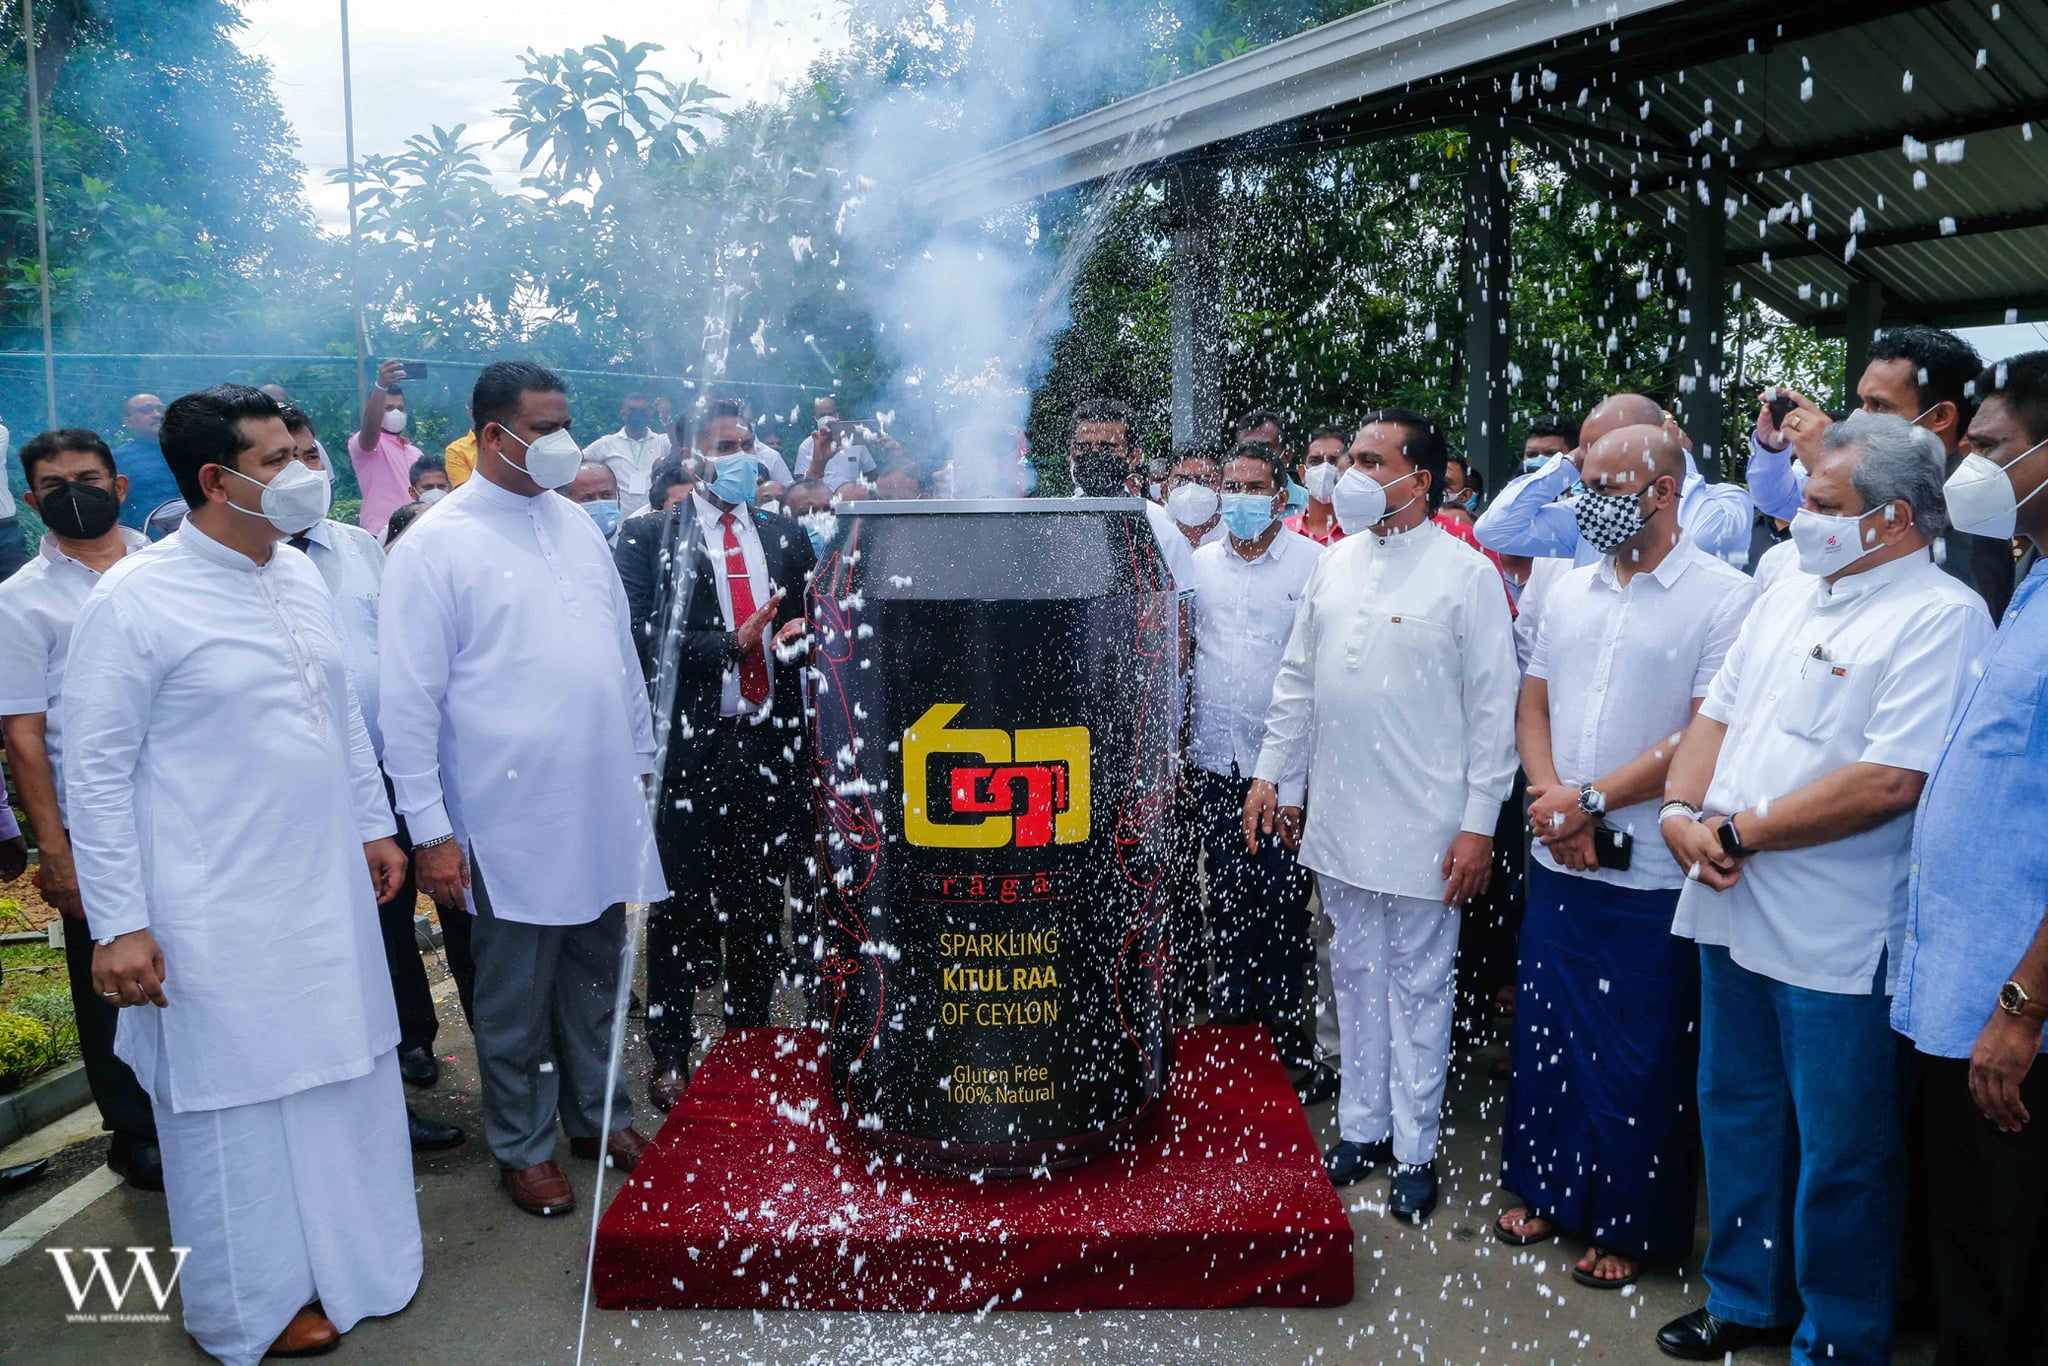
(1527,517)
(1980,865)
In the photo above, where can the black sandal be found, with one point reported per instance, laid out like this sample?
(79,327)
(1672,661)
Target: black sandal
(1522,1239)
(1587,1278)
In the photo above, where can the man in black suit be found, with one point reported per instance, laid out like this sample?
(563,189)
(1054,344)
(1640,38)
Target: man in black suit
(716,589)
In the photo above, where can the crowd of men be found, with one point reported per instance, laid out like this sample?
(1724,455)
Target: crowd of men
(1771,755)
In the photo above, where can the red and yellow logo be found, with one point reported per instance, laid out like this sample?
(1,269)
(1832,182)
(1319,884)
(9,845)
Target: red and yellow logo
(1029,789)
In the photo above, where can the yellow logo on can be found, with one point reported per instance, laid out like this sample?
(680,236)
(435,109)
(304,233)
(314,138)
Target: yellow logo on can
(1029,790)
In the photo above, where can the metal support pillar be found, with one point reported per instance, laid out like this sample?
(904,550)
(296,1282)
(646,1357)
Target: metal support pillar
(1865,315)
(1702,404)
(1195,307)
(1483,285)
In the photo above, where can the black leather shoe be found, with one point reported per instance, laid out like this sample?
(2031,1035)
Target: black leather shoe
(14,1178)
(418,1066)
(138,1161)
(1349,1163)
(1701,1336)
(1412,1193)
(1318,1084)
(431,1135)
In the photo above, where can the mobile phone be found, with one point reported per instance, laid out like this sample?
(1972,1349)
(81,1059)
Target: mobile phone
(1613,849)
(414,369)
(1780,406)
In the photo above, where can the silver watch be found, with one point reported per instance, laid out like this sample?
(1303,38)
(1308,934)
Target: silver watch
(1592,800)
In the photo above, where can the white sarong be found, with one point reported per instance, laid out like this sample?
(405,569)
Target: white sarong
(286,1201)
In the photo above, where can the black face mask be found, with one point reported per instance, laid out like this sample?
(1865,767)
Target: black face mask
(80,512)
(1101,474)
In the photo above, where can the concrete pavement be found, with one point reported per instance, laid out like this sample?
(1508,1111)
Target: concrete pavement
(502,1285)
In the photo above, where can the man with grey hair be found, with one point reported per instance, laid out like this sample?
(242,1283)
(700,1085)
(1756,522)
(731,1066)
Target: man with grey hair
(1789,805)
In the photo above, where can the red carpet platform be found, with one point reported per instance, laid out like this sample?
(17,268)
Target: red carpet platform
(751,1199)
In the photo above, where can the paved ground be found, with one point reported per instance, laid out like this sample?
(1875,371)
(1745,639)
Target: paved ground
(501,1285)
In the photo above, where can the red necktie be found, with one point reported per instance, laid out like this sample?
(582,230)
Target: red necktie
(754,665)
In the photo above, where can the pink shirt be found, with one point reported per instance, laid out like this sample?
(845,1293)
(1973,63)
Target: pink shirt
(384,475)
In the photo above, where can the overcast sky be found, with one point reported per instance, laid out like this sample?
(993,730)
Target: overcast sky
(418,63)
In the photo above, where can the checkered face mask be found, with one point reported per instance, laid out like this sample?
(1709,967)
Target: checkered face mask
(1607,520)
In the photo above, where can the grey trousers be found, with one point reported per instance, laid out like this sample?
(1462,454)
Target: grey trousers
(545,997)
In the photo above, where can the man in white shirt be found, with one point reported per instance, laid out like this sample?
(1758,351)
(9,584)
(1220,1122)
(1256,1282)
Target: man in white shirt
(73,486)
(1396,699)
(351,564)
(1790,805)
(1247,589)
(1627,647)
(631,452)
(1528,518)
(517,737)
(1103,458)
(232,839)
(845,460)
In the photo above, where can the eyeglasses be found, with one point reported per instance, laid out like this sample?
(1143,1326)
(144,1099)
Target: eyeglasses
(1207,481)
(1085,448)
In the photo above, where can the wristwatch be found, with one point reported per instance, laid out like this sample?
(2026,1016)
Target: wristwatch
(1731,840)
(1592,800)
(2014,1000)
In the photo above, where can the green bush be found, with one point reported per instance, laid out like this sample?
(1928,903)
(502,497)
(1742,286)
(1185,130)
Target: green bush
(39,1033)
(24,1045)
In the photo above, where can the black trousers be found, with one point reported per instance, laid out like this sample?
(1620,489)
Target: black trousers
(416,1022)
(1258,914)
(124,1105)
(1987,1220)
(725,859)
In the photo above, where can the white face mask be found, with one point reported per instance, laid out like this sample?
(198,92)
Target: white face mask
(551,461)
(1829,544)
(394,420)
(1361,501)
(326,475)
(1192,505)
(293,501)
(1981,498)
(432,496)
(1319,480)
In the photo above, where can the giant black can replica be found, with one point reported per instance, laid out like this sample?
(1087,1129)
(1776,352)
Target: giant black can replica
(996,718)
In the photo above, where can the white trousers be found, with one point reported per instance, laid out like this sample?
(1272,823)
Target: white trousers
(288,1201)
(1391,959)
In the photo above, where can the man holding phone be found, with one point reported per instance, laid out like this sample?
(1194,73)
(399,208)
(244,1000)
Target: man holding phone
(382,457)
(1921,374)
(837,451)
(1625,651)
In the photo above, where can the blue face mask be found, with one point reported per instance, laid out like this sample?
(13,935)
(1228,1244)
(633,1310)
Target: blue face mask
(737,475)
(1297,498)
(1247,514)
(819,526)
(605,512)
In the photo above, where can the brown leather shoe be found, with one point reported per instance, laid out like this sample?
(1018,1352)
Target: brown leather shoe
(624,1149)
(307,1335)
(541,1189)
(667,1087)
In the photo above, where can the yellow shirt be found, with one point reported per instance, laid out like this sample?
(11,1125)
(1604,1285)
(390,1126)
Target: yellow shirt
(461,456)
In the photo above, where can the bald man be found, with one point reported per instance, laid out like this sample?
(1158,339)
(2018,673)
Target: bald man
(1527,517)
(150,485)
(1624,653)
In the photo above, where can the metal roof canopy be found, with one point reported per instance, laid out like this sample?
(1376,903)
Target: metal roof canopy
(1856,148)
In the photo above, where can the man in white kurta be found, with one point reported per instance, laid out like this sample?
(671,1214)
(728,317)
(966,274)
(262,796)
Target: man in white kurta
(1396,698)
(223,797)
(517,733)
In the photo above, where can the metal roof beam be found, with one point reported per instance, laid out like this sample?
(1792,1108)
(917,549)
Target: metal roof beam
(1836,245)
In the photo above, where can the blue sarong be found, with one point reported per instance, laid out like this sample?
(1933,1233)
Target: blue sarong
(1602,1134)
